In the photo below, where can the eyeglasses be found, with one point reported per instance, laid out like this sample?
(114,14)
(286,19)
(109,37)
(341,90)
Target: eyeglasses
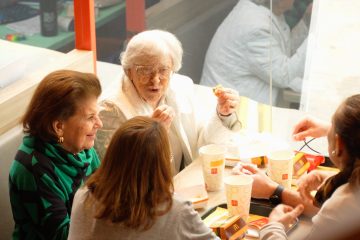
(147,71)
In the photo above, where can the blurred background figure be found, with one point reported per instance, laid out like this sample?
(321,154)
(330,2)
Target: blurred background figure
(253,45)
(56,154)
(151,87)
(131,194)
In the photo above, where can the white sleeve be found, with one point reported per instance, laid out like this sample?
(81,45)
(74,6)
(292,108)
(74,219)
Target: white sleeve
(273,231)
(190,225)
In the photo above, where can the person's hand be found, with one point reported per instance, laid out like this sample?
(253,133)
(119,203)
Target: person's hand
(310,182)
(164,114)
(310,127)
(263,186)
(227,101)
(285,214)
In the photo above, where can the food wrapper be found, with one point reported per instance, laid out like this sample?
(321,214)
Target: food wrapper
(313,160)
(226,227)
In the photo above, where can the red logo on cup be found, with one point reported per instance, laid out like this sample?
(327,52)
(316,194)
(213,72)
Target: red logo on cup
(285,177)
(214,171)
(234,203)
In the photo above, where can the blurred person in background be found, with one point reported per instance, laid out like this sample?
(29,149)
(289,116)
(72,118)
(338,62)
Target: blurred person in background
(238,56)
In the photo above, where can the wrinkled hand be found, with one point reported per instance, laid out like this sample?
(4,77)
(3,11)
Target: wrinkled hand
(285,214)
(164,114)
(263,186)
(311,182)
(310,127)
(227,101)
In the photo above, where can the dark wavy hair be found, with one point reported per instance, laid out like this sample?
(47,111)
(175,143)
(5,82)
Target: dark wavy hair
(134,182)
(346,121)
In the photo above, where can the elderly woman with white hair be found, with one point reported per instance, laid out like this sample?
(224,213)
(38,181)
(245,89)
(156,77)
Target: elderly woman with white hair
(151,87)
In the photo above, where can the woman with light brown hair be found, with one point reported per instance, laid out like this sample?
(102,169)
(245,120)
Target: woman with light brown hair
(131,195)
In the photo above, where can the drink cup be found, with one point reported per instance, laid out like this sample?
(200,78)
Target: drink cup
(280,167)
(213,165)
(238,195)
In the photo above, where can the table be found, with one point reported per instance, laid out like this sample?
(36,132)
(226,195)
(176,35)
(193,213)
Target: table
(192,175)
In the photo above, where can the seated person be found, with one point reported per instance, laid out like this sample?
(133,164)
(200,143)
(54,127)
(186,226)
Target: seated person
(131,194)
(150,86)
(56,154)
(238,56)
(301,10)
(338,194)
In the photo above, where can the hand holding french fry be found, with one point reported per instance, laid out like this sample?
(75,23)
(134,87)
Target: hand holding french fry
(227,100)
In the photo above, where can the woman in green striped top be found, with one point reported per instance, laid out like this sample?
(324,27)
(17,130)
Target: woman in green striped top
(56,154)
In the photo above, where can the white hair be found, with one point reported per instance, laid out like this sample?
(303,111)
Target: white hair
(152,42)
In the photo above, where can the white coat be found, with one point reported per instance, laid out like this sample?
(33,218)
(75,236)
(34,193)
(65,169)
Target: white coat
(193,131)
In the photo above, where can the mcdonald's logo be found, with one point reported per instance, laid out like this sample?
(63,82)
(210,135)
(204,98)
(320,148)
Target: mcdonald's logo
(236,227)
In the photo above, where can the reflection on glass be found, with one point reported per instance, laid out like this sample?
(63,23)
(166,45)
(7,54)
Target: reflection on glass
(41,23)
(254,45)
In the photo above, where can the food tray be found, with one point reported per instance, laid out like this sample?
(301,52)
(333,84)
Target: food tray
(258,207)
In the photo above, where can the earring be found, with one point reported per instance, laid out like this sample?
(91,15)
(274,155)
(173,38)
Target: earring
(61,140)
(333,152)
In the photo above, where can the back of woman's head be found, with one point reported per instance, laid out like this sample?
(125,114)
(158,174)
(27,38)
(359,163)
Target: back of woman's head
(152,42)
(134,182)
(346,123)
(57,97)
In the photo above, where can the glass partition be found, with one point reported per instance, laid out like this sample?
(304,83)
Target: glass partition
(248,45)
(257,47)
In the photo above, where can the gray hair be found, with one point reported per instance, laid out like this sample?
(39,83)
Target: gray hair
(152,42)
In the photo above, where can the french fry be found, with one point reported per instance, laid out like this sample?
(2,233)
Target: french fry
(218,89)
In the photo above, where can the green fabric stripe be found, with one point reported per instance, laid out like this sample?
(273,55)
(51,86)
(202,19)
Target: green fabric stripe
(41,191)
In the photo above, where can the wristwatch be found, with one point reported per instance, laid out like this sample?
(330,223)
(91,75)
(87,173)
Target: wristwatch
(275,198)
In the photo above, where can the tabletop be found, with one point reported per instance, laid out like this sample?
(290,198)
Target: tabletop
(192,175)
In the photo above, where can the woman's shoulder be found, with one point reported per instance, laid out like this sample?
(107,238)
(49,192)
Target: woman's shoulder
(21,169)
(109,107)
(344,195)
(181,207)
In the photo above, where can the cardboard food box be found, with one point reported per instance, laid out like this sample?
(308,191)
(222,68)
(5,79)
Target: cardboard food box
(225,226)
(313,160)
(300,165)
(260,161)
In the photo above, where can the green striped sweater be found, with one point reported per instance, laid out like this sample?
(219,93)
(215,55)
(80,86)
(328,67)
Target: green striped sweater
(43,180)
